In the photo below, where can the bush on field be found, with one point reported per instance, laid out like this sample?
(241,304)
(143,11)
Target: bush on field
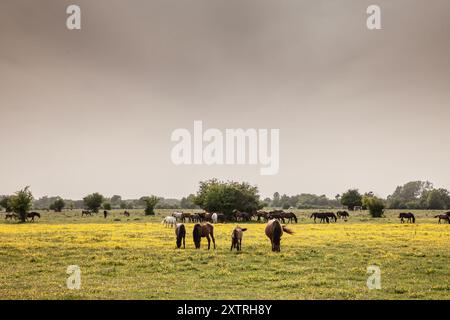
(93,201)
(375,205)
(21,203)
(150,203)
(58,205)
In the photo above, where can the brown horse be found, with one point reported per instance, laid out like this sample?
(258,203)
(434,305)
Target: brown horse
(290,216)
(320,215)
(203,231)
(443,217)
(276,214)
(105,213)
(32,215)
(407,215)
(86,212)
(274,231)
(261,214)
(126,214)
(236,238)
(342,214)
(11,216)
(186,215)
(180,232)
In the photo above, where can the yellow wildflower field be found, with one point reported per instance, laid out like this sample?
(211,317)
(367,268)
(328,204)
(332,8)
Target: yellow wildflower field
(138,260)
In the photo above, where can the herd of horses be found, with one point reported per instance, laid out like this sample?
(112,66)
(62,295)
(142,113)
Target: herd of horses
(274,231)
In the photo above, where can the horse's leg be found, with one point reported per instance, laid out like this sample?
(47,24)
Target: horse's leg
(184,243)
(214,240)
(240,244)
(209,241)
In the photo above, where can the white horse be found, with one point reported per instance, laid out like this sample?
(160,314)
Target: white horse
(177,215)
(169,221)
(214,217)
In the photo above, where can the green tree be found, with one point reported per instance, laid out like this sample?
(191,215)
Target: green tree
(21,203)
(436,199)
(58,205)
(93,201)
(409,196)
(6,204)
(150,203)
(107,206)
(225,197)
(351,199)
(276,200)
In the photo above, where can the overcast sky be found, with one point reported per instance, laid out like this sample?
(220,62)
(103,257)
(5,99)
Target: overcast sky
(93,110)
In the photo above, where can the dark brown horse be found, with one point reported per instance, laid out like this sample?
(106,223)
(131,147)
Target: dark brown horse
(274,231)
(407,215)
(126,214)
(204,230)
(276,214)
(290,216)
(236,238)
(86,212)
(320,215)
(342,214)
(444,217)
(180,232)
(32,215)
(261,215)
(105,213)
(11,216)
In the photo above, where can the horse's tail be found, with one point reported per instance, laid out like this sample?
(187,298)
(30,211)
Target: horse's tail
(181,233)
(287,230)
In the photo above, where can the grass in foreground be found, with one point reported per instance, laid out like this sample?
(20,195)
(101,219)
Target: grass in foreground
(138,260)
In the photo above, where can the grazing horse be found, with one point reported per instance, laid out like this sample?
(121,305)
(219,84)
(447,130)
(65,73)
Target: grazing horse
(274,231)
(407,215)
(221,217)
(214,217)
(236,238)
(276,214)
(332,216)
(86,212)
(443,217)
(180,232)
(261,214)
(203,231)
(126,214)
(242,216)
(195,218)
(185,216)
(32,215)
(290,216)
(169,221)
(343,214)
(11,216)
(105,213)
(320,215)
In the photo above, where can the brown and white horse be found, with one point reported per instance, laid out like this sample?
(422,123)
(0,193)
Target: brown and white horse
(236,238)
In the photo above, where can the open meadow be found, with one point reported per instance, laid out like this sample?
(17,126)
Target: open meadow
(136,258)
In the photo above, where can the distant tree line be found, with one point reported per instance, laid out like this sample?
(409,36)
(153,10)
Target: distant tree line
(225,197)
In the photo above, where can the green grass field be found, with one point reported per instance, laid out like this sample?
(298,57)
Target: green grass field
(135,258)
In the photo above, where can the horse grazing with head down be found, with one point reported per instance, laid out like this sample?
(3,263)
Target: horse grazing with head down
(274,231)
(320,215)
(444,217)
(169,221)
(204,230)
(180,232)
(236,238)
(407,215)
(32,215)
(342,214)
